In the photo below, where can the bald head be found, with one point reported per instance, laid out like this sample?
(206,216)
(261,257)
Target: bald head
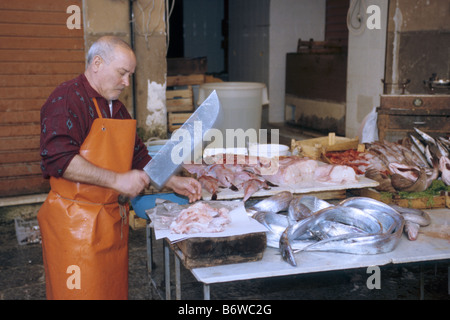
(104,47)
(110,63)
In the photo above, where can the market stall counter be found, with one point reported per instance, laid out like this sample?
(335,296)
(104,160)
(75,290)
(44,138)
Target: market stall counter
(432,244)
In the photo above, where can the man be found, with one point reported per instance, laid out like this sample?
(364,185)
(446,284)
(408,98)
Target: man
(91,153)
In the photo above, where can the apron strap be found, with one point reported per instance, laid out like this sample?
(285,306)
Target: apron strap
(96,107)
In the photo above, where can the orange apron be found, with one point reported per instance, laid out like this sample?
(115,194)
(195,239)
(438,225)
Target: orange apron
(84,230)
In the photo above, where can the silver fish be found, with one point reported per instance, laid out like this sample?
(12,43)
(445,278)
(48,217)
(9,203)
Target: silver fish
(414,215)
(443,152)
(445,142)
(276,203)
(327,229)
(425,136)
(275,224)
(412,230)
(418,144)
(422,161)
(414,219)
(304,206)
(380,232)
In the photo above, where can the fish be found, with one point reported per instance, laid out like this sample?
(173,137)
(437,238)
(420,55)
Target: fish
(275,224)
(408,172)
(304,206)
(384,181)
(276,203)
(444,167)
(414,219)
(210,184)
(235,173)
(374,228)
(251,186)
(424,178)
(412,153)
(443,152)
(445,142)
(412,230)
(425,136)
(412,214)
(336,174)
(418,144)
(200,217)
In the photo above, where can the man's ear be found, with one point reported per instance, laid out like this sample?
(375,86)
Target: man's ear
(97,62)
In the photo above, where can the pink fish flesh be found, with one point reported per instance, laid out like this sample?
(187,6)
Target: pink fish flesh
(200,218)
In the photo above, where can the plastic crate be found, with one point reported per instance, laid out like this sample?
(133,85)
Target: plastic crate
(145,202)
(27,231)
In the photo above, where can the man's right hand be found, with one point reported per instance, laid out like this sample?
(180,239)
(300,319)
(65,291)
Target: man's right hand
(131,183)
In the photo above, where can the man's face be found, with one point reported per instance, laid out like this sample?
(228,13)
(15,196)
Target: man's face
(115,76)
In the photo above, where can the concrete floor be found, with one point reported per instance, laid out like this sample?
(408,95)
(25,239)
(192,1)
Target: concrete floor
(22,276)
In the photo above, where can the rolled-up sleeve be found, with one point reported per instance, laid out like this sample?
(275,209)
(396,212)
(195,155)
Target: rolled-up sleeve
(61,133)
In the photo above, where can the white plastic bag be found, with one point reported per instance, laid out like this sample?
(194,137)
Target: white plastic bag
(369,129)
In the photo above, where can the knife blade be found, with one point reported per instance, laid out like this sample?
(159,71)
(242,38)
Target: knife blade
(184,142)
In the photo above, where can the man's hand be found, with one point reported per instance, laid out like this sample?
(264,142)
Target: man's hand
(131,183)
(185,186)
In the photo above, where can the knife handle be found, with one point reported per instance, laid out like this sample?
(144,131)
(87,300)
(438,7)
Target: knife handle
(122,199)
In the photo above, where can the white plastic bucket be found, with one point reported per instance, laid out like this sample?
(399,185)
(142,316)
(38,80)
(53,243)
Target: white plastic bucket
(241,103)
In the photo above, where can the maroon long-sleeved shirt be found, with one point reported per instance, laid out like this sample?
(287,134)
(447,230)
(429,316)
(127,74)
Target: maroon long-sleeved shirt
(66,119)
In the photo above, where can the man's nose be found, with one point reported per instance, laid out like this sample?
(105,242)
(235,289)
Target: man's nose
(126,80)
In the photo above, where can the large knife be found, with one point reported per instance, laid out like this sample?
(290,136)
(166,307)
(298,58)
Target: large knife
(184,143)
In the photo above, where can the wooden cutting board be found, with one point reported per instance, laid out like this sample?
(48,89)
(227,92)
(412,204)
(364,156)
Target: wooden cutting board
(208,252)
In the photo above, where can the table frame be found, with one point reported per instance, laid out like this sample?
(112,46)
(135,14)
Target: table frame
(424,249)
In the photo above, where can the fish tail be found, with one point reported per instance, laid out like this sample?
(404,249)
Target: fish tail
(286,250)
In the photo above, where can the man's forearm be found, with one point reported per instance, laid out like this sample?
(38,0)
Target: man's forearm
(81,170)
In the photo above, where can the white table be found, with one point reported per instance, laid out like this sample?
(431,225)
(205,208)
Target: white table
(433,243)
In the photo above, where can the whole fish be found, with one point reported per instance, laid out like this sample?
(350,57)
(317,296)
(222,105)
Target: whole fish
(251,186)
(408,172)
(387,216)
(304,206)
(327,229)
(414,219)
(369,243)
(275,224)
(210,184)
(422,160)
(443,152)
(276,203)
(425,136)
(425,177)
(378,230)
(412,230)
(414,215)
(418,144)
(445,142)
(444,167)
(384,180)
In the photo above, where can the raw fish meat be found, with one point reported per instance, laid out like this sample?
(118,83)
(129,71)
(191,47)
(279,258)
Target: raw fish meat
(200,218)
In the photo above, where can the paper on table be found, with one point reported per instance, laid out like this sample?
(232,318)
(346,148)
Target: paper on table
(241,223)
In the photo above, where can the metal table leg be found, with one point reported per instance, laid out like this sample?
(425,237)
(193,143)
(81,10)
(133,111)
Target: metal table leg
(206,293)
(149,248)
(177,278)
(448,277)
(421,283)
(167,269)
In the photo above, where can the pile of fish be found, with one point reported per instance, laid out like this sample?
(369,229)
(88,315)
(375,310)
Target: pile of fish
(250,174)
(410,166)
(356,225)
